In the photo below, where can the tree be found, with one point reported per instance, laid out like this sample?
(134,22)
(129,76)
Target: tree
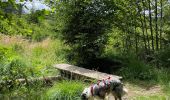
(156,25)
(85,27)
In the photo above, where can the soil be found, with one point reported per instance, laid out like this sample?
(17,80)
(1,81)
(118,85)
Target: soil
(142,91)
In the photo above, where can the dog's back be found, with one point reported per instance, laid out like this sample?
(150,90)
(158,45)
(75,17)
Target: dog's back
(105,87)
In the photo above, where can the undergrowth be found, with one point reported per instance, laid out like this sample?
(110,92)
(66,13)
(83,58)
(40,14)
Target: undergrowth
(20,58)
(138,72)
(24,27)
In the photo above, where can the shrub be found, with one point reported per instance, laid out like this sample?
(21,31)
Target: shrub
(12,68)
(20,26)
(136,69)
(23,92)
(164,57)
(164,78)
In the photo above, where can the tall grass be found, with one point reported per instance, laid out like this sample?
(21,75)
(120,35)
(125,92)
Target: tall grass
(136,69)
(39,56)
(62,90)
(24,92)
(65,90)
(22,58)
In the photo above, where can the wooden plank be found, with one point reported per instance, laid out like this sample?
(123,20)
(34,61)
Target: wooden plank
(43,79)
(85,72)
(39,79)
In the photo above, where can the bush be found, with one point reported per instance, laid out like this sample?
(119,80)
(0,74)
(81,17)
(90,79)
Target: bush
(23,92)
(12,68)
(33,31)
(136,69)
(164,57)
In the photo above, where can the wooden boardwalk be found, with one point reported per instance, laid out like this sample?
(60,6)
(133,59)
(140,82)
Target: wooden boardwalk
(86,73)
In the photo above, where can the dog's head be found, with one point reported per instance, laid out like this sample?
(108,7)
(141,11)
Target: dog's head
(86,94)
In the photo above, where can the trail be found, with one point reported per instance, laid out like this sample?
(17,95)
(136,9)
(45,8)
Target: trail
(137,91)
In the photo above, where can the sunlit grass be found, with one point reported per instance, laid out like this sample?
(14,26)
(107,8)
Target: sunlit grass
(65,90)
(154,97)
(39,56)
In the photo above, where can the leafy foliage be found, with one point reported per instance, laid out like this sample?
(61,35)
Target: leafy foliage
(30,30)
(164,57)
(12,22)
(12,68)
(38,16)
(85,27)
(135,69)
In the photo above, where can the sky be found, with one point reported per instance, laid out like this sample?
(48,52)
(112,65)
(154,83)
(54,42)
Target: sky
(34,5)
(39,5)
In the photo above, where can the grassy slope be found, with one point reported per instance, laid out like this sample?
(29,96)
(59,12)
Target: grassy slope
(39,55)
(42,55)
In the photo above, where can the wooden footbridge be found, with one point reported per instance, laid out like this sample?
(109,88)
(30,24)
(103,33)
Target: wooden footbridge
(72,72)
(82,73)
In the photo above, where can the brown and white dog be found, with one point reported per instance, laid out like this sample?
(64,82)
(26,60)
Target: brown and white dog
(102,89)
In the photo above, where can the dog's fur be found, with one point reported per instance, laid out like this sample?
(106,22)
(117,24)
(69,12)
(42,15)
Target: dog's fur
(101,90)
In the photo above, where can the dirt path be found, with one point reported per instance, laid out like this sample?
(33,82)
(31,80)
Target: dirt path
(134,91)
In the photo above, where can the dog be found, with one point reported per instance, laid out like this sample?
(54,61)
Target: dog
(102,89)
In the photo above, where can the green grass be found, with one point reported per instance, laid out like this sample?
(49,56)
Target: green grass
(23,92)
(37,59)
(61,90)
(65,90)
(154,97)
(140,75)
(143,75)
(20,57)
(38,56)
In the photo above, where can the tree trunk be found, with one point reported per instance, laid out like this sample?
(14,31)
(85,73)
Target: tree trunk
(145,26)
(156,25)
(150,24)
(161,24)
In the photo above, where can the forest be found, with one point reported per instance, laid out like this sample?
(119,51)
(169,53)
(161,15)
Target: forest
(129,38)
